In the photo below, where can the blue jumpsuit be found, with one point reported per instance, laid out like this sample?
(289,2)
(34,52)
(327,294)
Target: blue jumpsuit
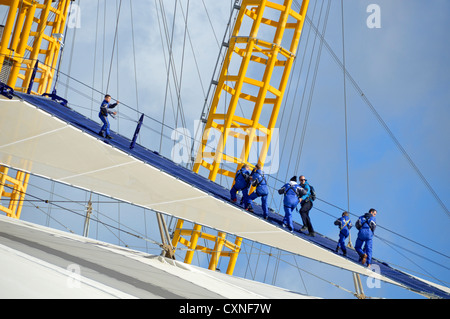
(290,202)
(344,224)
(240,184)
(261,191)
(366,225)
(103,115)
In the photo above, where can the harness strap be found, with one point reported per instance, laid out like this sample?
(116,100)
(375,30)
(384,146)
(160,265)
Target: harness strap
(348,221)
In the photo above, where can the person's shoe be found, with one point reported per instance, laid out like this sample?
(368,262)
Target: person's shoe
(337,249)
(303,228)
(109,137)
(234,200)
(101,134)
(364,259)
(312,234)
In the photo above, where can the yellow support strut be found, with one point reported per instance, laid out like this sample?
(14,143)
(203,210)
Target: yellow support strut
(220,242)
(18,186)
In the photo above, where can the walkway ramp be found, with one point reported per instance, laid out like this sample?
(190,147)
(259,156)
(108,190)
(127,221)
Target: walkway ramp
(42,137)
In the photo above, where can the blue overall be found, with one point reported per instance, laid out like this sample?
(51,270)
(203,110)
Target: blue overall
(103,115)
(366,225)
(290,202)
(261,191)
(240,184)
(344,224)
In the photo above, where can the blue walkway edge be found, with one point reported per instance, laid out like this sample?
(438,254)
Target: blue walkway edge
(156,160)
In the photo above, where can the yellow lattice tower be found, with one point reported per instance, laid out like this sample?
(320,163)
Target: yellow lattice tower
(253,79)
(16,196)
(32,32)
(259,95)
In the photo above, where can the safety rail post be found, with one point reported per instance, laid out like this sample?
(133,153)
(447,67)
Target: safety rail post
(33,75)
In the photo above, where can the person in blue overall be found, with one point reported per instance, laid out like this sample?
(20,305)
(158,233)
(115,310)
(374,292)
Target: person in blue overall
(292,191)
(344,223)
(259,181)
(366,225)
(241,183)
(105,109)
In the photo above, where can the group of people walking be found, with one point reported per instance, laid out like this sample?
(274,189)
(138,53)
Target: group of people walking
(301,192)
(244,180)
(294,193)
(366,225)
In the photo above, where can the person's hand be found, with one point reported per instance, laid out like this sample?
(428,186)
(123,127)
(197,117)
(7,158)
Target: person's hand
(115,113)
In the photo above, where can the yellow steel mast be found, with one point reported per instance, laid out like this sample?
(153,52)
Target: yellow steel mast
(32,33)
(271,58)
(252,53)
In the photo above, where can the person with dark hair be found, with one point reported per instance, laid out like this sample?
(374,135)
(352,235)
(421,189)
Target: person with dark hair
(291,191)
(344,224)
(306,204)
(105,109)
(366,225)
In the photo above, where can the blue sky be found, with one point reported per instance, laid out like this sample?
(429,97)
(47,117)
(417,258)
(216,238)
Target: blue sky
(402,68)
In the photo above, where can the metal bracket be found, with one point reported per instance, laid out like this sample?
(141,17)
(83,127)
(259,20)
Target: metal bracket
(56,98)
(6,90)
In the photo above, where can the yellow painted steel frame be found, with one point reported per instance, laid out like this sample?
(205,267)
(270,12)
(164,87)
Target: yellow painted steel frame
(216,252)
(251,50)
(16,197)
(31,31)
(30,34)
